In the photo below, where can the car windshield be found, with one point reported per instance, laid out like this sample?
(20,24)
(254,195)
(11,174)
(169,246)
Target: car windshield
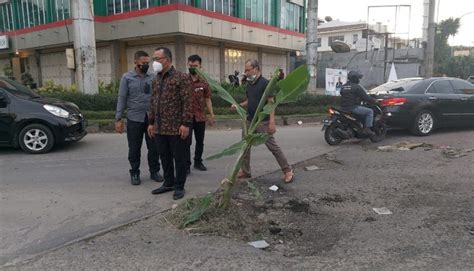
(17,89)
(395,86)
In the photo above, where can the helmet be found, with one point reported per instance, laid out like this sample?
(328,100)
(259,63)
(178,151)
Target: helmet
(354,76)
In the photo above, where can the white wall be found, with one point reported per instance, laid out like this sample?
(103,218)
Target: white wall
(104,67)
(210,58)
(271,61)
(54,67)
(348,38)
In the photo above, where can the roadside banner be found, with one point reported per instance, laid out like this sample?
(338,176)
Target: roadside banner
(335,78)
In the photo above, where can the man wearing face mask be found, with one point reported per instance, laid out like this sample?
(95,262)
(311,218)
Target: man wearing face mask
(201,100)
(255,88)
(135,95)
(169,120)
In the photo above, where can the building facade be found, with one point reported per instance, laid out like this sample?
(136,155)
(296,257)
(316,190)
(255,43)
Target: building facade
(223,32)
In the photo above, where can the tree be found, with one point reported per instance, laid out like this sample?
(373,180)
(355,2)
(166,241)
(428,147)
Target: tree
(442,53)
(287,90)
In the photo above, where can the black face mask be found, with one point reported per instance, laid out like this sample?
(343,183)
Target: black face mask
(143,68)
(192,71)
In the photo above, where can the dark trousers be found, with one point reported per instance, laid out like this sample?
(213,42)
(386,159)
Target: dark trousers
(199,129)
(135,132)
(172,150)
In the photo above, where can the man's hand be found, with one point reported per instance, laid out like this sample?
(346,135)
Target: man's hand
(211,120)
(271,128)
(233,107)
(119,126)
(151,130)
(183,131)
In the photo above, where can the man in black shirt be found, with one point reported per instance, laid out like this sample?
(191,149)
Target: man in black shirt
(352,94)
(255,88)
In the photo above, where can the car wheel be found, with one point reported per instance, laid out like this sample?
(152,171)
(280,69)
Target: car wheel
(36,139)
(424,123)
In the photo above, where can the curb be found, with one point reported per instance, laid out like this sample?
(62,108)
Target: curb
(219,124)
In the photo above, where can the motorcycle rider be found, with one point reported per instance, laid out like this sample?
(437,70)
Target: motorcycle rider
(352,94)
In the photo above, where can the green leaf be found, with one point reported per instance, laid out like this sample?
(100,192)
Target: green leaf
(221,92)
(293,85)
(256,139)
(228,151)
(199,211)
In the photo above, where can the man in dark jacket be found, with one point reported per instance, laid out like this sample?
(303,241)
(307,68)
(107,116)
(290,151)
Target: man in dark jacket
(352,94)
(169,120)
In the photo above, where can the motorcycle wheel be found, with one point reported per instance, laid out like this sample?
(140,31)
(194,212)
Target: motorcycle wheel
(331,137)
(380,130)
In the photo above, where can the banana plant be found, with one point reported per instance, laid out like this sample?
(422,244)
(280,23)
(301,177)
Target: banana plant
(287,90)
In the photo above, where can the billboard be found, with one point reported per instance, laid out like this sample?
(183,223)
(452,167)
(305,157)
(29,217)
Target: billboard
(4,42)
(335,78)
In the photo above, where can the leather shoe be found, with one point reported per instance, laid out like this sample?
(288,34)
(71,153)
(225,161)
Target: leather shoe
(200,167)
(178,194)
(161,190)
(156,176)
(135,179)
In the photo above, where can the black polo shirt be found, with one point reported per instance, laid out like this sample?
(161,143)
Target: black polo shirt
(254,94)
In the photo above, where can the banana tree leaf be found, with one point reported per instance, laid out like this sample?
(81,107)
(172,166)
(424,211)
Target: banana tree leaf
(256,139)
(228,151)
(293,85)
(221,92)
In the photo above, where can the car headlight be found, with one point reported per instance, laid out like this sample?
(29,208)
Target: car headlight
(57,111)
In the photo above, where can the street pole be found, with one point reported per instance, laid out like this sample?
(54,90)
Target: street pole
(429,50)
(312,44)
(84,46)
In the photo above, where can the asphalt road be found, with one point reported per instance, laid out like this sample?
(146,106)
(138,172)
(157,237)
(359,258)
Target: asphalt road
(52,199)
(430,196)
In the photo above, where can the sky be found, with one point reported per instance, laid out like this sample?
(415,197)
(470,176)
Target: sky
(356,10)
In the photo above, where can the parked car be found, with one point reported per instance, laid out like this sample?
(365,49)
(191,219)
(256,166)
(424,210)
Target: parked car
(36,124)
(470,79)
(422,105)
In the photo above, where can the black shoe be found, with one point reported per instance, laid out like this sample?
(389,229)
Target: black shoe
(200,167)
(135,179)
(368,132)
(178,194)
(156,176)
(188,171)
(162,189)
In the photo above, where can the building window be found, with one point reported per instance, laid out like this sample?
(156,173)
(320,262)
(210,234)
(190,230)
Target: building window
(355,38)
(334,38)
(291,16)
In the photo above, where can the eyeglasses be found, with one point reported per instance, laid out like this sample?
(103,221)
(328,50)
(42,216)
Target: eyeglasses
(158,58)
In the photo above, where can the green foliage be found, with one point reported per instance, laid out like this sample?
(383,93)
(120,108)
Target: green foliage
(458,66)
(442,50)
(87,102)
(196,214)
(231,150)
(110,88)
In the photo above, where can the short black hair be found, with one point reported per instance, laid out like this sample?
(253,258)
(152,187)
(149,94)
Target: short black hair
(166,52)
(139,54)
(194,58)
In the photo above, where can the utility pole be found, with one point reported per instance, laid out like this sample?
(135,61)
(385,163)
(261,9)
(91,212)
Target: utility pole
(430,42)
(84,46)
(312,43)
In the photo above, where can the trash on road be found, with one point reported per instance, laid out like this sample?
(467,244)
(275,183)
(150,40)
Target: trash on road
(174,206)
(382,211)
(300,122)
(274,188)
(332,157)
(261,244)
(311,168)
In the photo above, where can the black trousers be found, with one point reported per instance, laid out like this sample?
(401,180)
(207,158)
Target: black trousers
(199,129)
(172,150)
(135,133)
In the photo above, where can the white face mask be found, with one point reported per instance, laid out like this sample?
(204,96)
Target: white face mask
(157,67)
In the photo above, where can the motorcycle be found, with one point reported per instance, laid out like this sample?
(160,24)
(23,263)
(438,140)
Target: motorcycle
(345,125)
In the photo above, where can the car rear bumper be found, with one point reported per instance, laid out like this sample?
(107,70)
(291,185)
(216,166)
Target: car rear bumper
(398,117)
